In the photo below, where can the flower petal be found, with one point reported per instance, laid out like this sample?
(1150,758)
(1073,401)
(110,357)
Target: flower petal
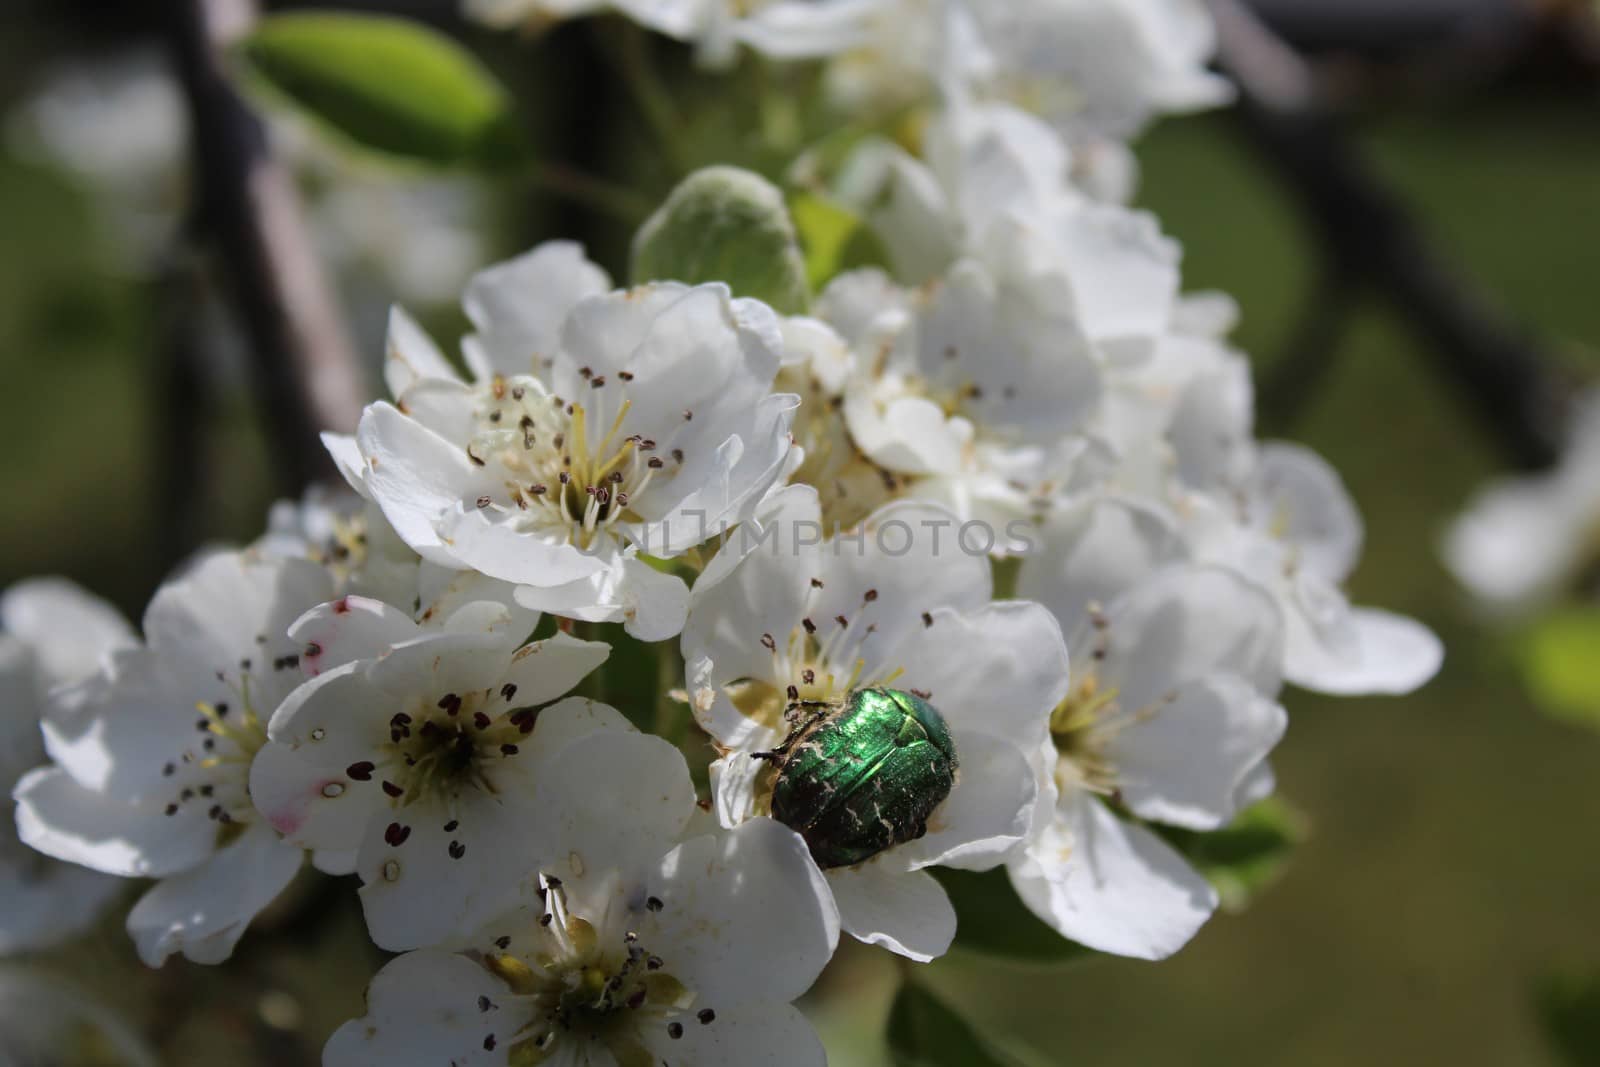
(1391,655)
(769,1034)
(1111,885)
(61,818)
(423,1008)
(1187,763)
(750,894)
(202,913)
(907,912)
(66,627)
(987,813)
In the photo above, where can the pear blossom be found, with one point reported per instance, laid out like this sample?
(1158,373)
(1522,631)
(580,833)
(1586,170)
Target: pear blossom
(55,634)
(1171,715)
(602,426)
(627,943)
(349,536)
(1522,541)
(411,753)
(152,754)
(898,602)
(1293,528)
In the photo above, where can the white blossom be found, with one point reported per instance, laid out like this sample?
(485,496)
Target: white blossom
(601,427)
(152,753)
(894,602)
(626,945)
(412,752)
(55,634)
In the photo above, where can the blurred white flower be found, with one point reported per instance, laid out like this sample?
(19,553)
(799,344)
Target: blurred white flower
(1524,541)
(412,753)
(54,634)
(626,943)
(602,426)
(45,1022)
(118,123)
(795,619)
(152,755)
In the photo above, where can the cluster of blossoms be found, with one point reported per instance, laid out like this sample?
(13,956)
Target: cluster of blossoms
(805,514)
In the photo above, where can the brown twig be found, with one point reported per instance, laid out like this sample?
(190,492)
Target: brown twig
(250,214)
(1369,238)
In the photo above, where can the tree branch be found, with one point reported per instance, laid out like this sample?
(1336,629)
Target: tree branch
(1367,234)
(249,211)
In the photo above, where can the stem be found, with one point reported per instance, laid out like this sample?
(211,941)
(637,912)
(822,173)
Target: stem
(631,59)
(599,195)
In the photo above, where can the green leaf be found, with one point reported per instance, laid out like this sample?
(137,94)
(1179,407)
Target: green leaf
(1246,856)
(724,224)
(388,85)
(1560,660)
(833,239)
(993,922)
(1569,1009)
(925,1033)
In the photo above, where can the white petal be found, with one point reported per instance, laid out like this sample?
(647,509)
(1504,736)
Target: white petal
(203,913)
(312,804)
(1392,656)
(1183,625)
(1091,551)
(501,551)
(747,916)
(566,720)
(987,812)
(60,818)
(1308,506)
(609,801)
(410,354)
(417,477)
(792,30)
(906,433)
(907,912)
(1000,670)
(1111,885)
(519,306)
(743,1035)
(403,885)
(66,627)
(1187,762)
(336,718)
(545,670)
(654,605)
(763,593)
(423,1008)
(1518,541)
(440,663)
(350,628)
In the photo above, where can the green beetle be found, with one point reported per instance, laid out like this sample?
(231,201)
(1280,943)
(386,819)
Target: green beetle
(862,775)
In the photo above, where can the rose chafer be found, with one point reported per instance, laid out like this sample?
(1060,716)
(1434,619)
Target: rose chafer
(861,775)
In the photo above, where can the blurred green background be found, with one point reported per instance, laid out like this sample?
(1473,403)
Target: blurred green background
(1451,861)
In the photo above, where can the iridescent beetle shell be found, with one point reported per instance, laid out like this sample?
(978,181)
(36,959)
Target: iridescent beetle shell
(863,775)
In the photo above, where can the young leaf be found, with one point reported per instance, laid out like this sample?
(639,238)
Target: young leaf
(833,239)
(723,224)
(925,1033)
(993,922)
(1560,660)
(388,85)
